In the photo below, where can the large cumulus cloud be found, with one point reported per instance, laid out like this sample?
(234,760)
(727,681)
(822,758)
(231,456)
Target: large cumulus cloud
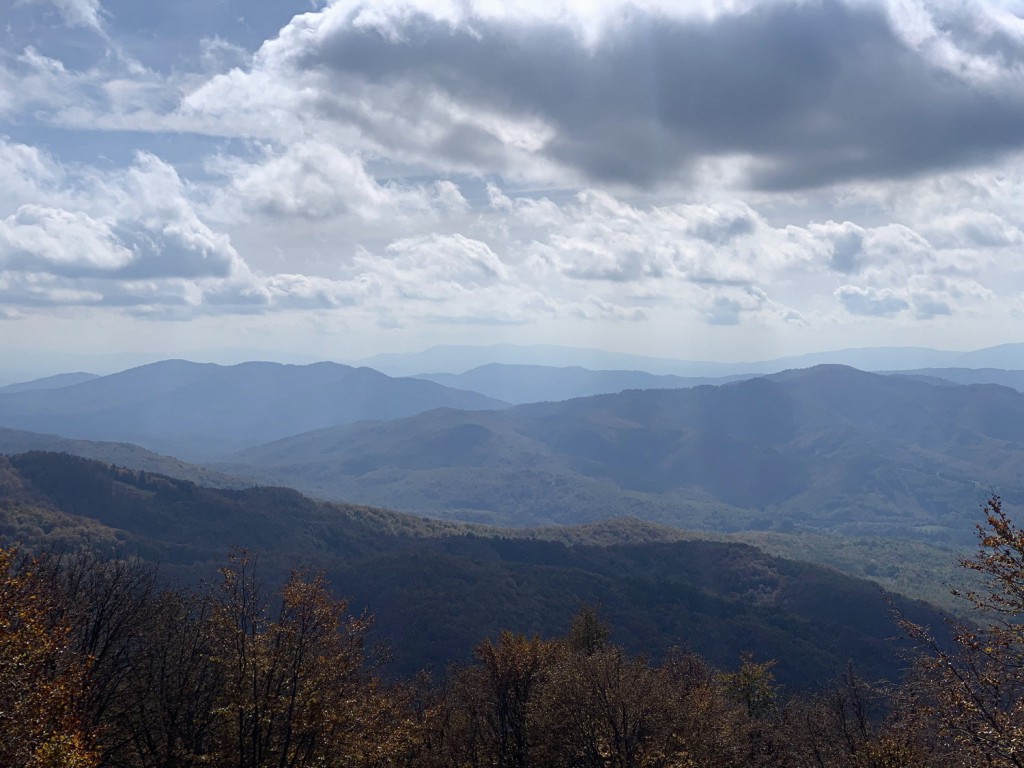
(400,164)
(809,93)
(130,239)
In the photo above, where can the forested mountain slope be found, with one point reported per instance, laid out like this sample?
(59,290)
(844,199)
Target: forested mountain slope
(436,588)
(828,448)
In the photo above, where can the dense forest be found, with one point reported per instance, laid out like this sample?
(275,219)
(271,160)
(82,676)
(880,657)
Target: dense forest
(101,664)
(435,587)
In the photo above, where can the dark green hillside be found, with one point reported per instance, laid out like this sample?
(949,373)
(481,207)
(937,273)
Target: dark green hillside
(715,598)
(915,568)
(179,523)
(826,449)
(436,588)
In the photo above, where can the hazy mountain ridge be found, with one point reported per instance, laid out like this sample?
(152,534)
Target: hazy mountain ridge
(435,587)
(519,384)
(199,410)
(829,448)
(49,382)
(1006,378)
(461,358)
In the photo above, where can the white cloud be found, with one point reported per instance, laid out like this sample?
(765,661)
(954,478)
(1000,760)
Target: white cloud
(52,240)
(129,238)
(870,301)
(309,180)
(26,174)
(432,268)
(316,180)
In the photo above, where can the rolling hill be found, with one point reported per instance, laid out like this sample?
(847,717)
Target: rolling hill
(196,411)
(824,449)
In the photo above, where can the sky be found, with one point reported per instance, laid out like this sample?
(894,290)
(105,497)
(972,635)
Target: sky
(296,180)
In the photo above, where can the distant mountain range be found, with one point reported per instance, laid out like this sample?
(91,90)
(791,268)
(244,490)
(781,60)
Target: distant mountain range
(1012,379)
(922,570)
(201,410)
(521,384)
(49,382)
(823,449)
(538,383)
(828,448)
(462,358)
(459,359)
(435,588)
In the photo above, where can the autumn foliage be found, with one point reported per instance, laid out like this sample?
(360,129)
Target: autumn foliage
(42,685)
(100,666)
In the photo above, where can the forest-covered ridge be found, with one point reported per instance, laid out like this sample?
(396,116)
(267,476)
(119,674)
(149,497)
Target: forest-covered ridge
(436,587)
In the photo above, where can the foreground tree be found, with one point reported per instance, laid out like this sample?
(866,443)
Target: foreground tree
(973,692)
(42,681)
(293,689)
(165,718)
(583,702)
(100,668)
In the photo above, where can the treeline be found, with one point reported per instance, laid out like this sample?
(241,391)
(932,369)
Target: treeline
(100,665)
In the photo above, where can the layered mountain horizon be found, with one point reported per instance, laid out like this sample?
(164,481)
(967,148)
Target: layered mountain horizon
(201,410)
(825,449)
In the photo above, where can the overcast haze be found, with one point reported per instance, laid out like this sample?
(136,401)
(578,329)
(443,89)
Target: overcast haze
(705,180)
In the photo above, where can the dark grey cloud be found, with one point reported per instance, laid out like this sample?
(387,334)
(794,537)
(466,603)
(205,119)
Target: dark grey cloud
(817,92)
